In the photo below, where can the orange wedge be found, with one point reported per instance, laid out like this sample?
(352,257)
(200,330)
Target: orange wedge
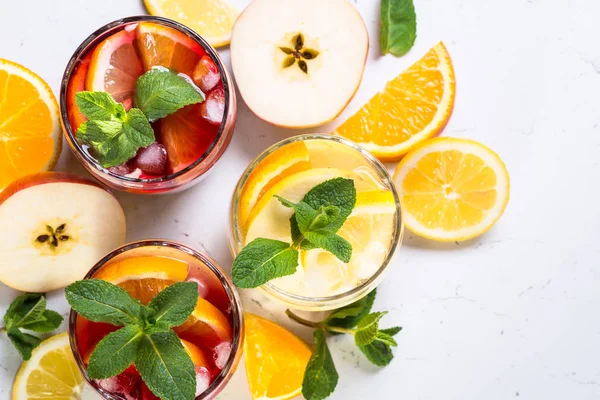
(211,19)
(275,360)
(77,84)
(162,46)
(414,106)
(30,133)
(281,163)
(115,66)
(452,189)
(145,277)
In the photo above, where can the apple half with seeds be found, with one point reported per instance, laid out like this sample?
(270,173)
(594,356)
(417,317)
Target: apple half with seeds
(298,63)
(53,228)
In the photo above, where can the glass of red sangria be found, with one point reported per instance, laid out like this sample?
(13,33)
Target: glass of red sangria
(212,335)
(145,151)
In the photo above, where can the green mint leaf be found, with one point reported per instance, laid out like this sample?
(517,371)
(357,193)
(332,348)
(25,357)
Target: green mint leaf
(51,322)
(338,192)
(325,215)
(284,202)
(115,352)
(391,331)
(367,328)
(333,243)
(378,353)
(165,366)
(174,304)
(25,309)
(99,106)
(320,377)
(398,26)
(160,92)
(101,301)
(117,141)
(348,317)
(262,260)
(23,342)
(385,338)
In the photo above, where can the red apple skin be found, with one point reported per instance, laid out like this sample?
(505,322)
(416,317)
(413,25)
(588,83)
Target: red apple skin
(41,178)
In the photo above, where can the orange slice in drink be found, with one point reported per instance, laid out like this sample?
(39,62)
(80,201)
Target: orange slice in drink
(275,360)
(162,46)
(30,133)
(281,163)
(145,277)
(115,66)
(452,189)
(413,107)
(77,84)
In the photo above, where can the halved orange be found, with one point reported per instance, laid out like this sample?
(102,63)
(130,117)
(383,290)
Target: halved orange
(145,277)
(30,133)
(275,359)
(211,19)
(115,66)
(162,46)
(414,106)
(452,189)
(281,163)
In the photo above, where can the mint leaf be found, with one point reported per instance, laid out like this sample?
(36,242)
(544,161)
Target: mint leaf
(165,366)
(335,244)
(391,331)
(367,328)
(385,338)
(338,192)
(51,322)
(174,304)
(115,352)
(99,106)
(23,342)
(101,301)
(378,353)
(25,309)
(320,377)
(398,26)
(348,317)
(262,260)
(160,92)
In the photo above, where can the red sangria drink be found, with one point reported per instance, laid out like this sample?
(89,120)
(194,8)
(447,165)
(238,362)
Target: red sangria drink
(212,335)
(147,105)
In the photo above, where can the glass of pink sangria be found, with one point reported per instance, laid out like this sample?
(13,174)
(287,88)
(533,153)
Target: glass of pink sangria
(181,144)
(212,335)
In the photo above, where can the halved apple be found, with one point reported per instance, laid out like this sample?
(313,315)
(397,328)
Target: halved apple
(53,228)
(298,63)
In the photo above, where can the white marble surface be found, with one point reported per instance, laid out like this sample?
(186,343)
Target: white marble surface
(512,314)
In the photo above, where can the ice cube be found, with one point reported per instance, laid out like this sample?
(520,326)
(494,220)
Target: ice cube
(324,273)
(206,74)
(202,380)
(214,107)
(152,159)
(202,289)
(221,354)
(136,173)
(122,169)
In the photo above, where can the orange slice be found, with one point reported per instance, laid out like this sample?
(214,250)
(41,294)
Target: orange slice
(452,189)
(275,360)
(162,46)
(115,66)
(414,106)
(211,19)
(30,134)
(76,85)
(281,163)
(145,277)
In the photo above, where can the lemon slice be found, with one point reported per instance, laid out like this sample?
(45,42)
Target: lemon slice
(211,19)
(51,373)
(452,189)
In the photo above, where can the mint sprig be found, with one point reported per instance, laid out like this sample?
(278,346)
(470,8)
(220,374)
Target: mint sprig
(28,312)
(398,26)
(146,338)
(316,219)
(321,377)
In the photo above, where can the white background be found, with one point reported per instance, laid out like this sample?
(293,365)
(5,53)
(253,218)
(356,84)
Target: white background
(512,314)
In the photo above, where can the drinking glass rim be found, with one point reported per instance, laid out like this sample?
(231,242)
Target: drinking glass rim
(382,173)
(84,46)
(237,326)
